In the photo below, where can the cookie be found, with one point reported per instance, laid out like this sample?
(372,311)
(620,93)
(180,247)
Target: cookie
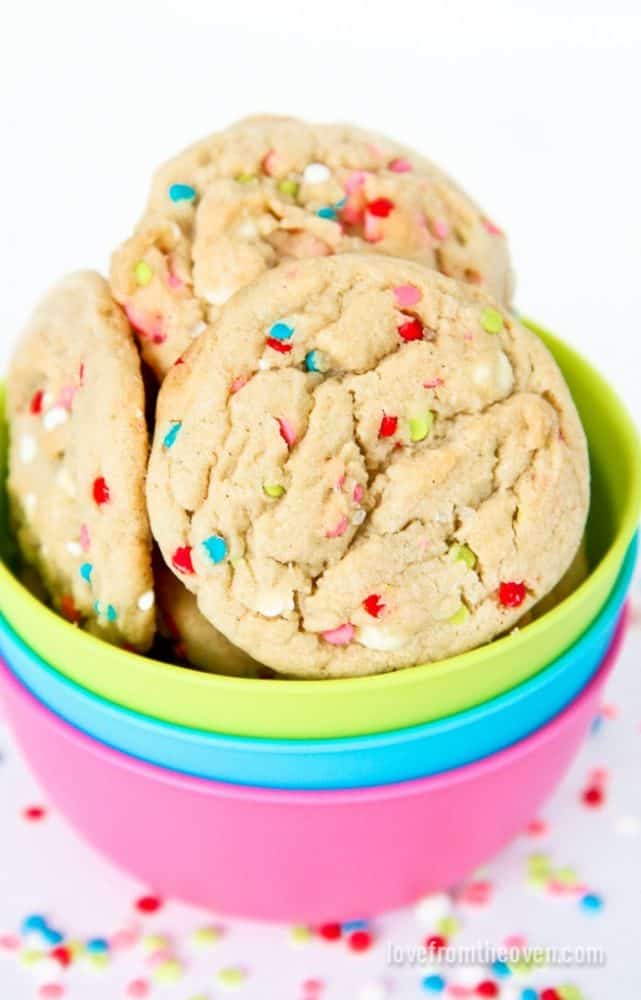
(78,456)
(365,465)
(195,639)
(270,189)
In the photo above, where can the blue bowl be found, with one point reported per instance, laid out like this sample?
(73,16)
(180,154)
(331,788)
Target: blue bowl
(357,762)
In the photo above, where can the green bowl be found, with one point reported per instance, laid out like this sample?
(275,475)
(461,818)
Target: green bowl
(351,707)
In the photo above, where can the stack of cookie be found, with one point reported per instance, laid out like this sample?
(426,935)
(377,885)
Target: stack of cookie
(359,461)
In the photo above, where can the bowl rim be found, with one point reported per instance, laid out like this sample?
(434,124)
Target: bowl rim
(328,746)
(345,797)
(454,666)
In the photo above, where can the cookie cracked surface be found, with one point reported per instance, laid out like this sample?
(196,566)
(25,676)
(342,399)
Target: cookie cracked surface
(78,457)
(272,189)
(365,466)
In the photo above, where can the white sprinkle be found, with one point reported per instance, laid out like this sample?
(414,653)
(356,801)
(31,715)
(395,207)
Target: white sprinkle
(30,503)
(218,296)
(264,365)
(373,991)
(316,173)
(358,516)
(28,448)
(55,418)
(146,601)
(47,400)
(504,375)
(482,374)
(272,605)
(431,909)
(198,329)
(247,230)
(377,637)
(470,975)
(74,548)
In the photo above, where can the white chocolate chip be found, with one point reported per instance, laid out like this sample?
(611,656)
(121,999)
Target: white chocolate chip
(380,638)
(504,375)
(197,329)
(273,605)
(30,503)
(218,296)
(358,516)
(247,230)
(316,173)
(55,418)
(146,601)
(28,448)
(74,548)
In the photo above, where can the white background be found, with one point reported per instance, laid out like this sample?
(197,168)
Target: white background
(533,106)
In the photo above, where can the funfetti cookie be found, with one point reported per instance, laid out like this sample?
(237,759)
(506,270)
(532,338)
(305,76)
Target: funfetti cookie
(366,465)
(271,189)
(196,640)
(78,460)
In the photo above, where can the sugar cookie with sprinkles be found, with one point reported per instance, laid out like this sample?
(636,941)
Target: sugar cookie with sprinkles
(79,449)
(366,465)
(196,640)
(270,189)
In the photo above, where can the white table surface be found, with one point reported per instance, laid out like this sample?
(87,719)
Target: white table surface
(532,107)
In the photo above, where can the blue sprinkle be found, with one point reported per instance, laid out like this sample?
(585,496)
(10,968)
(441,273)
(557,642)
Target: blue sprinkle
(341,204)
(182,192)
(216,548)
(354,925)
(501,970)
(597,722)
(311,361)
(52,937)
(592,902)
(85,571)
(529,994)
(281,331)
(433,984)
(327,212)
(169,439)
(34,922)
(112,614)
(98,946)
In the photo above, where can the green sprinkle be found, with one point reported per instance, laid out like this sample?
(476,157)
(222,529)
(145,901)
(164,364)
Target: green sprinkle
(448,926)
(288,186)
(300,934)
(274,490)
(231,977)
(168,972)
(459,616)
(491,320)
(143,273)
(245,178)
(204,937)
(463,553)
(421,426)
(31,957)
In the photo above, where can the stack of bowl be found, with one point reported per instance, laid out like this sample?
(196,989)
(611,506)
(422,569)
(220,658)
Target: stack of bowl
(326,800)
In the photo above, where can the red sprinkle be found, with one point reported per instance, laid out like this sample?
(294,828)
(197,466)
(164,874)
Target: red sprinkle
(512,594)
(68,609)
(34,813)
(182,559)
(101,492)
(279,345)
(373,605)
(359,941)
(550,994)
(331,932)
(487,989)
(380,207)
(388,426)
(61,955)
(593,796)
(412,330)
(436,942)
(148,904)
(36,403)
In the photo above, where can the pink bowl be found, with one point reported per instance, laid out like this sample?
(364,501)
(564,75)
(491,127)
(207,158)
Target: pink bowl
(283,855)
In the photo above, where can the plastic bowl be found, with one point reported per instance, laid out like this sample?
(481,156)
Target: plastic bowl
(330,764)
(295,856)
(352,707)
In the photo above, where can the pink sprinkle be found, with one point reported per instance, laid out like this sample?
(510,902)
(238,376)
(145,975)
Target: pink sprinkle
(269,162)
(149,324)
(238,384)
(477,893)
(287,431)
(400,166)
(9,942)
(173,280)
(355,181)
(372,228)
(353,211)
(65,397)
(340,636)
(126,938)
(340,482)
(492,228)
(454,990)
(85,540)
(433,383)
(375,150)
(516,941)
(440,229)
(159,957)
(51,991)
(339,530)
(536,828)
(358,493)
(138,988)
(407,295)
(468,337)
